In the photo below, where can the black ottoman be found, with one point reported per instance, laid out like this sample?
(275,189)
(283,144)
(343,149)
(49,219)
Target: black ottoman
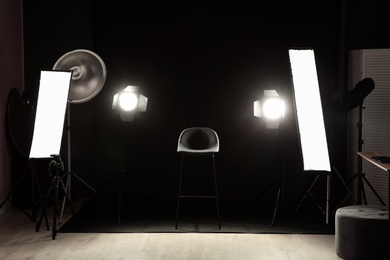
(362,232)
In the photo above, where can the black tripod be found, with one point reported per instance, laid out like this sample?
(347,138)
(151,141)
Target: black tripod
(122,175)
(360,175)
(69,174)
(280,180)
(55,167)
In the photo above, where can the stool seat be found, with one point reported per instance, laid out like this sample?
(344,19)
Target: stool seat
(362,232)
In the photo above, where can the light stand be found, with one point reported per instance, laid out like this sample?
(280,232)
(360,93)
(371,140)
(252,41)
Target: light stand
(125,174)
(282,180)
(88,78)
(48,130)
(127,102)
(69,173)
(310,121)
(279,181)
(272,108)
(361,177)
(355,98)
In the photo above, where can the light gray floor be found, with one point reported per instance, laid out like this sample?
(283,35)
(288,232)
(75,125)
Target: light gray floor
(19,240)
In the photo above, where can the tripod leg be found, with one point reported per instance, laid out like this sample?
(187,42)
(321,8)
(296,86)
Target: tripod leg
(362,196)
(328,190)
(120,197)
(82,181)
(30,168)
(68,189)
(54,229)
(33,211)
(43,210)
(63,201)
(68,200)
(307,193)
(262,193)
(374,191)
(345,185)
(142,189)
(276,206)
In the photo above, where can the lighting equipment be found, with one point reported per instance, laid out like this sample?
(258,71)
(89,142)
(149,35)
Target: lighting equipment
(272,108)
(48,125)
(311,126)
(355,98)
(50,113)
(48,129)
(128,102)
(88,78)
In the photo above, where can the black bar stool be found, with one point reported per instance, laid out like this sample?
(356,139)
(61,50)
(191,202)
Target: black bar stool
(198,141)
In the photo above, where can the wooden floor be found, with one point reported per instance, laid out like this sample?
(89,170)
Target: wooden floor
(19,240)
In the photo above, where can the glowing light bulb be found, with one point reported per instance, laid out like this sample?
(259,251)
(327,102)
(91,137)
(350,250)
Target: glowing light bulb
(273,108)
(128,101)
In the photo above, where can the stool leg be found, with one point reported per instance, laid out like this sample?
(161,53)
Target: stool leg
(179,191)
(216,193)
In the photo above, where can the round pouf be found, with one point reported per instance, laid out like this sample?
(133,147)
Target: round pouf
(362,232)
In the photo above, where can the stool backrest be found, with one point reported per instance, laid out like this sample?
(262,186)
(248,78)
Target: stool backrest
(198,140)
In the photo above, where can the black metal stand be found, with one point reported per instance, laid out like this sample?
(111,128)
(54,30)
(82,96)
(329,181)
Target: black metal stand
(280,180)
(122,175)
(280,196)
(55,167)
(35,186)
(281,193)
(315,199)
(125,174)
(360,175)
(69,174)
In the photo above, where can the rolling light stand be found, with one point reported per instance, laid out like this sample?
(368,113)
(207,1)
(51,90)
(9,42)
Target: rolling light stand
(55,167)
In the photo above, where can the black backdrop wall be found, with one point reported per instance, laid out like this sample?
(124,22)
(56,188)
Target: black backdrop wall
(199,65)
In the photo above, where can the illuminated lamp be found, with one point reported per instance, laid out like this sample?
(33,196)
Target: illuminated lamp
(271,107)
(128,102)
